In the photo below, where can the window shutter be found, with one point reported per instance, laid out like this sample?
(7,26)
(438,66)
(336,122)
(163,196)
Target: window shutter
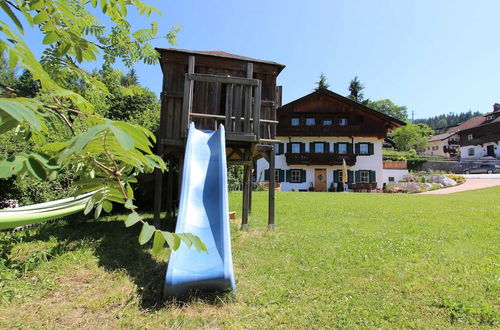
(335,176)
(357,176)
(289,147)
(373,176)
(311,147)
(371,148)
(266,175)
(350,176)
(336,148)
(281,175)
(357,148)
(303,175)
(302,147)
(326,147)
(281,148)
(349,148)
(288,175)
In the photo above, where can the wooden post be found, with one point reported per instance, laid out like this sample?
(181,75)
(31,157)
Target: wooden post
(247,186)
(170,190)
(270,222)
(229,108)
(158,199)
(187,98)
(250,190)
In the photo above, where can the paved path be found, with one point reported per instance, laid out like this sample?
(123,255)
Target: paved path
(474,181)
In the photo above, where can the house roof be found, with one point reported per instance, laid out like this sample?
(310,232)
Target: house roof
(443,136)
(346,100)
(222,54)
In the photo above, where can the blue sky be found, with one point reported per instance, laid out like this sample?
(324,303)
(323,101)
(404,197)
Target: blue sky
(432,56)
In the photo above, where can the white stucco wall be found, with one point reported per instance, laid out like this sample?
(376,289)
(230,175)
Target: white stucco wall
(396,174)
(479,151)
(371,162)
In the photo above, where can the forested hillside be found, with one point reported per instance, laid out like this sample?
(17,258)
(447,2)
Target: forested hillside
(449,119)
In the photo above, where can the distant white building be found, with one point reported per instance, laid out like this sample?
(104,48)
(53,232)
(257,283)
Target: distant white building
(480,136)
(319,131)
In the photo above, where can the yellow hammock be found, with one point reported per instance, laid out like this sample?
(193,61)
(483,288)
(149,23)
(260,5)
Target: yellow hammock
(26,215)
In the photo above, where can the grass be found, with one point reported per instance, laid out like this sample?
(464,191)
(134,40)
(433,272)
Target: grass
(334,260)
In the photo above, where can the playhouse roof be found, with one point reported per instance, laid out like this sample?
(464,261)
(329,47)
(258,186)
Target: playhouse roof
(222,54)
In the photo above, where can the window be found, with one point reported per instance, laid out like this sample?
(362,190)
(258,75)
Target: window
(319,147)
(471,151)
(295,176)
(276,175)
(343,122)
(363,149)
(295,122)
(470,137)
(391,179)
(310,121)
(327,122)
(490,117)
(364,176)
(342,148)
(295,148)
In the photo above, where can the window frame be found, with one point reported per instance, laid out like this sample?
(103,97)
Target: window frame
(316,144)
(470,137)
(295,144)
(276,175)
(327,120)
(367,148)
(362,179)
(292,120)
(295,172)
(470,152)
(310,121)
(342,144)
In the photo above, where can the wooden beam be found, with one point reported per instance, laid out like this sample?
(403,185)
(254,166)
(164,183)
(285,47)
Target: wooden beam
(187,102)
(229,108)
(212,78)
(158,197)
(270,220)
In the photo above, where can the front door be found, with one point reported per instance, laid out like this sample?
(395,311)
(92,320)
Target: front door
(490,150)
(320,179)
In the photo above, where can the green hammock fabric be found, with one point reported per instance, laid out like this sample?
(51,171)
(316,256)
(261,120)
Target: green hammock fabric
(26,215)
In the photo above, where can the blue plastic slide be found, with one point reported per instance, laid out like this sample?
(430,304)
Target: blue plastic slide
(203,211)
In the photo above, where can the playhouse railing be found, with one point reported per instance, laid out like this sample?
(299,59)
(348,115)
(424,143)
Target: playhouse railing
(241,106)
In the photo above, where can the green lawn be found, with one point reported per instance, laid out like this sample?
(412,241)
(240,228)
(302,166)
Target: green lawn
(334,260)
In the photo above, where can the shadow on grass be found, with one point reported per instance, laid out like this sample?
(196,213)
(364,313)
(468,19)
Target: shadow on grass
(117,247)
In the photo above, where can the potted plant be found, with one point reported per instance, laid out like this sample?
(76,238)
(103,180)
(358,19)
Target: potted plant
(311,186)
(331,188)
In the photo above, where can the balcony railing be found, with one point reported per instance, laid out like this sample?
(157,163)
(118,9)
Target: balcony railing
(313,158)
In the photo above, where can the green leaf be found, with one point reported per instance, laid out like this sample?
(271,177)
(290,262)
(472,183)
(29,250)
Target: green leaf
(173,240)
(132,219)
(13,17)
(35,167)
(89,206)
(130,191)
(51,37)
(98,211)
(129,204)
(41,17)
(125,140)
(158,242)
(146,233)
(185,238)
(21,109)
(107,206)
(198,244)
(94,3)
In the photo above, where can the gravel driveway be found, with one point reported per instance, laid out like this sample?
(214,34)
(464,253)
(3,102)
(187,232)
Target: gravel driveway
(474,181)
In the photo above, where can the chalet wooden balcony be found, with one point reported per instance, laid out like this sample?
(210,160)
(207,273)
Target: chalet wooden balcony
(313,158)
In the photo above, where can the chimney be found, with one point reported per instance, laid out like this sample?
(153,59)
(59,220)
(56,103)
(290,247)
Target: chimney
(496,107)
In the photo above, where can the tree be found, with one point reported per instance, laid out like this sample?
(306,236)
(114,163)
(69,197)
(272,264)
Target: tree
(387,107)
(356,90)
(105,155)
(322,83)
(129,79)
(411,136)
